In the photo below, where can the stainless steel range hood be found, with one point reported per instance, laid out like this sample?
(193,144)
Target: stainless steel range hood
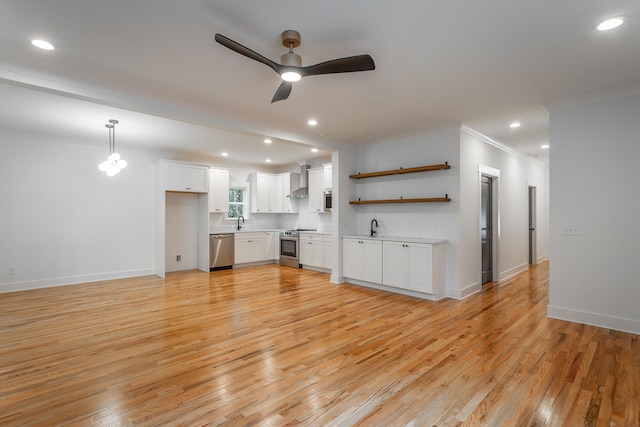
(299,189)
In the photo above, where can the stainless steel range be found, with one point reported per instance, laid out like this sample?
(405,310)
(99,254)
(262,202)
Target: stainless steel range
(290,247)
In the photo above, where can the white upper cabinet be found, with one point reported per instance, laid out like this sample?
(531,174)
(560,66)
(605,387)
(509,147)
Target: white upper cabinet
(316,189)
(218,190)
(328,176)
(269,193)
(186,177)
(288,205)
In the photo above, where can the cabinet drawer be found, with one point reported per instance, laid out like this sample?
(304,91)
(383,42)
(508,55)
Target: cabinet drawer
(310,237)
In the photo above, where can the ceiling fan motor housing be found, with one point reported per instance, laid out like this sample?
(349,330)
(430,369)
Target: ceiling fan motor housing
(290,38)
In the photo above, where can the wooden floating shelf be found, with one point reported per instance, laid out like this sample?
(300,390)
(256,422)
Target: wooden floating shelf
(420,200)
(401,171)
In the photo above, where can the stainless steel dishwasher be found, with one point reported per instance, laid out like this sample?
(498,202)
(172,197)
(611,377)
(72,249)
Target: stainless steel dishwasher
(221,250)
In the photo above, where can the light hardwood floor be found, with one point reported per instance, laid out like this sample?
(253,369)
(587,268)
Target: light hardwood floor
(275,346)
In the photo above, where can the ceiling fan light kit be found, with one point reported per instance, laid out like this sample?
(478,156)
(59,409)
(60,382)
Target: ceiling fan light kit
(291,70)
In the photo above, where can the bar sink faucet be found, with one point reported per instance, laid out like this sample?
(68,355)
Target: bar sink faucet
(374,231)
(239,226)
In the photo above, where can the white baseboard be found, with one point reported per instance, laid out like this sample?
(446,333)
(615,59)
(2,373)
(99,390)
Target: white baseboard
(460,294)
(336,278)
(71,280)
(512,272)
(594,319)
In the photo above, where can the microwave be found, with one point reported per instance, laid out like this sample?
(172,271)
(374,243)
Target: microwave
(327,202)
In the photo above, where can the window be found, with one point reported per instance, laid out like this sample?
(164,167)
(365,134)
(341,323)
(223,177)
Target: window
(237,202)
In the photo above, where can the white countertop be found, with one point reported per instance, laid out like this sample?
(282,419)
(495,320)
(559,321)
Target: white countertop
(397,239)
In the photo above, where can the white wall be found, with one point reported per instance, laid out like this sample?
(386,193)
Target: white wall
(594,178)
(63,221)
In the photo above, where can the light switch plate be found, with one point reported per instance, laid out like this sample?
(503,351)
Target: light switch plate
(571,229)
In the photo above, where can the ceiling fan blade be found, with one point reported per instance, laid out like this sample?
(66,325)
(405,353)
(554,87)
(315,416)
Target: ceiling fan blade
(283,92)
(349,64)
(243,50)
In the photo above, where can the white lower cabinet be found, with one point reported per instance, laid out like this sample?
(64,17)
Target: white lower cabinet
(327,251)
(362,259)
(254,247)
(408,265)
(411,265)
(311,250)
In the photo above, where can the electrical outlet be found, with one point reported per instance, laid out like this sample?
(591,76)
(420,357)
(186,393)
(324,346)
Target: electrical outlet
(571,229)
(178,257)
(11,271)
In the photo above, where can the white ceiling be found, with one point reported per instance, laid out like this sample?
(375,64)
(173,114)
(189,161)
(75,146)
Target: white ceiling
(154,65)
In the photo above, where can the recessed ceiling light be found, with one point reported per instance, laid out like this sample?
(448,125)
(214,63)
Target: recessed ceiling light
(267,141)
(312,122)
(224,154)
(268,160)
(314,150)
(42,44)
(514,125)
(544,146)
(610,23)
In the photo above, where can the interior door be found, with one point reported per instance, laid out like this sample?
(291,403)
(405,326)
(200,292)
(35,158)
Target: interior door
(486,229)
(533,237)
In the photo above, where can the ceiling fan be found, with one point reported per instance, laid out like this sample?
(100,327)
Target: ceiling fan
(291,69)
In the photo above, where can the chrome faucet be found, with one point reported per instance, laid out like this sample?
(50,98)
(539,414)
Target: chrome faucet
(374,231)
(239,226)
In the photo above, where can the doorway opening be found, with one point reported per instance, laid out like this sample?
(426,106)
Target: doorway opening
(486,227)
(533,251)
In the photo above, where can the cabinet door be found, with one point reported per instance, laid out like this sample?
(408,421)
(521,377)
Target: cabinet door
(256,249)
(352,258)
(395,264)
(241,250)
(316,188)
(327,253)
(262,193)
(276,198)
(288,205)
(218,190)
(372,261)
(184,177)
(176,179)
(269,245)
(197,179)
(306,252)
(328,176)
(419,271)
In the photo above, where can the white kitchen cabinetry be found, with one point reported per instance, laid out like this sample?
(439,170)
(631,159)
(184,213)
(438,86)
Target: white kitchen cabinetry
(328,176)
(249,247)
(218,190)
(270,245)
(267,193)
(289,205)
(311,251)
(408,265)
(172,176)
(316,189)
(315,250)
(186,177)
(327,251)
(362,259)
(413,266)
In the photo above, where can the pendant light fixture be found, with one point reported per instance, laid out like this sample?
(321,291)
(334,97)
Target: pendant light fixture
(114,163)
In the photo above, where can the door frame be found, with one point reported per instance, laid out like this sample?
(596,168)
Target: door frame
(495,220)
